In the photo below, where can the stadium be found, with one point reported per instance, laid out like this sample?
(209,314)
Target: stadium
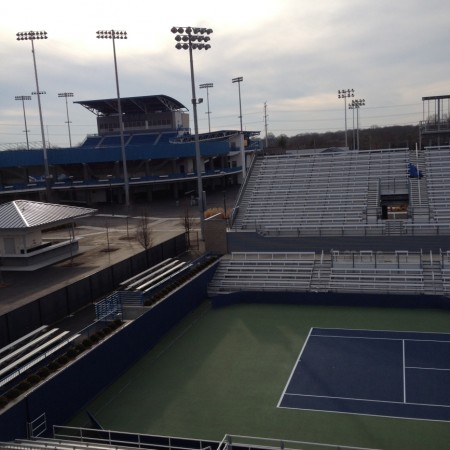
(316,318)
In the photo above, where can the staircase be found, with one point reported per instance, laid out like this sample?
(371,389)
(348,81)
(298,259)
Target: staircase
(373,201)
(393,227)
(320,278)
(418,192)
(432,277)
(248,188)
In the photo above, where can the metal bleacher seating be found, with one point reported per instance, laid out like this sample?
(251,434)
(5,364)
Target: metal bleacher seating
(398,272)
(154,276)
(26,352)
(264,271)
(91,141)
(140,139)
(298,194)
(445,262)
(438,183)
(366,271)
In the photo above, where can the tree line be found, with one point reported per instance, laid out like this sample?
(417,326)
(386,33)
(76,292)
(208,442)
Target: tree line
(396,136)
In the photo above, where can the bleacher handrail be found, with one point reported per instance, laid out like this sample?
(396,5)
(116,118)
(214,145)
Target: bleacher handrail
(260,443)
(32,343)
(119,439)
(23,338)
(40,358)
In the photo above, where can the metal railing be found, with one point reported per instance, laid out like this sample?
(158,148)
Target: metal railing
(258,443)
(125,439)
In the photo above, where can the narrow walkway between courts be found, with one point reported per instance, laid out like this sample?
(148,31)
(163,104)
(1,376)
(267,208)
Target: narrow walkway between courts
(105,239)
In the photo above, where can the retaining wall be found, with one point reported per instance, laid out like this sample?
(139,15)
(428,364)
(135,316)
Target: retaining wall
(69,390)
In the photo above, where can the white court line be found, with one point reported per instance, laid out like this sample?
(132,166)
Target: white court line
(420,419)
(369,338)
(383,331)
(341,336)
(404,371)
(294,368)
(427,368)
(390,402)
(404,367)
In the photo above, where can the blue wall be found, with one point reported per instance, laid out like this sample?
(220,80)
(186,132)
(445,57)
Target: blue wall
(63,395)
(333,299)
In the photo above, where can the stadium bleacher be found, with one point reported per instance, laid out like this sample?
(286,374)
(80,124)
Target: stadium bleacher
(342,193)
(323,189)
(28,351)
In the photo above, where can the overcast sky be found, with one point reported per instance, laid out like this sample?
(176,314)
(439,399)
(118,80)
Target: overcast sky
(292,54)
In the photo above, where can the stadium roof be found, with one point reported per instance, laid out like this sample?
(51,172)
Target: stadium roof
(24,214)
(212,136)
(133,105)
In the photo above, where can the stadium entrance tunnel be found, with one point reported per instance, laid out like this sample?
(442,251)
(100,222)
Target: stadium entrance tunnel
(394,206)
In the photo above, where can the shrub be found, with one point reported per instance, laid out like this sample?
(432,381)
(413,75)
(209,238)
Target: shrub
(72,353)
(53,366)
(80,348)
(34,379)
(13,393)
(23,386)
(62,360)
(101,333)
(3,402)
(87,343)
(43,372)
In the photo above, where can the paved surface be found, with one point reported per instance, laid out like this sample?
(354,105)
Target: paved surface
(106,238)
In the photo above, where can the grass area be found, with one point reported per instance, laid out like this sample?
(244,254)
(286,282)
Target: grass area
(223,371)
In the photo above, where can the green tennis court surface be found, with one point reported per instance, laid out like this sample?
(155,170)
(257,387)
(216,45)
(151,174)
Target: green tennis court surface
(223,371)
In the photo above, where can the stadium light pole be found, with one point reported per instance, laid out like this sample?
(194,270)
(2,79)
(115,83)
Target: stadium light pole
(193,38)
(352,108)
(65,95)
(357,104)
(32,36)
(113,35)
(207,86)
(38,94)
(346,93)
(239,80)
(22,98)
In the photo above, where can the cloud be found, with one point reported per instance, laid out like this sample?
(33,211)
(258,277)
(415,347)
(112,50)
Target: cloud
(292,54)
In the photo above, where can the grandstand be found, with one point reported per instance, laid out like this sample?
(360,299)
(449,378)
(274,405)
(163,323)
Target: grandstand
(31,351)
(369,221)
(160,155)
(334,227)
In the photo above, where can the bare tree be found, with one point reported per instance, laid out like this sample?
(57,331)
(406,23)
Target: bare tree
(188,223)
(144,234)
(2,282)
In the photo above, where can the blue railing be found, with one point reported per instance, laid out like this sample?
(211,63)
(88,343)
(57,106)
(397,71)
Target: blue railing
(70,183)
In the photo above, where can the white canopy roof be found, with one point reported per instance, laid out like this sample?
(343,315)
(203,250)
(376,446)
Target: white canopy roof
(25,214)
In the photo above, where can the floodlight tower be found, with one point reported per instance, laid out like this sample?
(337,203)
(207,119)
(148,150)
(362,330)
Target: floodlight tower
(22,98)
(65,95)
(194,38)
(357,104)
(352,108)
(239,80)
(207,86)
(343,93)
(113,35)
(32,36)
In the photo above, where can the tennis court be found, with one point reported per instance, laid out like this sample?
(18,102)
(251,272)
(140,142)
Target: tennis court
(223,371)
(383,373)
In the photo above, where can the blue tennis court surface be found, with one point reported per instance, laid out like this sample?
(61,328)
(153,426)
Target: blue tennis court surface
(382,373)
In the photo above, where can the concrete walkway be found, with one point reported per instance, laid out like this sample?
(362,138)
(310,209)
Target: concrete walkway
(105,239)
